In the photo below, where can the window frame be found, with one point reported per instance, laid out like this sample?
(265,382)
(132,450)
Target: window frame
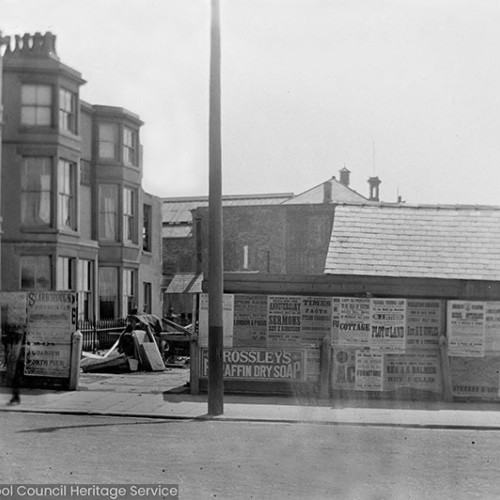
(130,197)
(67,114)
(40,194)
(40,110)
(27,262)
(65,273)
(130,146)
(147,215)
(111,142)
(108,215)
(66,194)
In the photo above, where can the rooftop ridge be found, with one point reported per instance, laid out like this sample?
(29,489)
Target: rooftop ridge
(228,197)
(421,205)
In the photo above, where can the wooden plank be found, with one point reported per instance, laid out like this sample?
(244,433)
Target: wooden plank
(151,357)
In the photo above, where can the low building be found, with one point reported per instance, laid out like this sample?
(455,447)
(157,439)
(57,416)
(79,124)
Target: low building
(407,300)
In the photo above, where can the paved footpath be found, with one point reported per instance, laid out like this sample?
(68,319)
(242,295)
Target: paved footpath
(164,395)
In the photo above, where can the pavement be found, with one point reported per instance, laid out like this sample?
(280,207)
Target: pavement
(165,395)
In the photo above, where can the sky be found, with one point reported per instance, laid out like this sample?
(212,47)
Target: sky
(407,90)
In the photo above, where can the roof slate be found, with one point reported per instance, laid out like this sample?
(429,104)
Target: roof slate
(415,241)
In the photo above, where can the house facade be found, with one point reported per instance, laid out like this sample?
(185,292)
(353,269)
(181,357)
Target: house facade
(75,215)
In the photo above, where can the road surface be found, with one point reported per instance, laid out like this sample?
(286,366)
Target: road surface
(233,460)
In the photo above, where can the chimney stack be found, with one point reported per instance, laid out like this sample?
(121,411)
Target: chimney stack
(344,176)
(327,191)
(374,183)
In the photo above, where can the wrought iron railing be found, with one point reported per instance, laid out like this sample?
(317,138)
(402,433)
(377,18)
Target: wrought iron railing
(100,334)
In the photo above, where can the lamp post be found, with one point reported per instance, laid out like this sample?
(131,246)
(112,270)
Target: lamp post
(215,256)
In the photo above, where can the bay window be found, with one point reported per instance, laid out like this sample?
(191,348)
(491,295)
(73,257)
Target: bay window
(66,214)
(108,141)
(129,215)
(36,191)
(67,110)
(108,212)
(35,272)
(36,105)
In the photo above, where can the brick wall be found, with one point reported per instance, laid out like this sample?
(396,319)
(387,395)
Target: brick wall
(281,239)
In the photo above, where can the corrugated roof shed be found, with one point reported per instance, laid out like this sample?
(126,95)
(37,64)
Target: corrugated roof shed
(178,210)
(185,283)
(454,242)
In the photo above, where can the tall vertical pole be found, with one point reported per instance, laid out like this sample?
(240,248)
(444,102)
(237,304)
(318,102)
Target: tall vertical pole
(215,257)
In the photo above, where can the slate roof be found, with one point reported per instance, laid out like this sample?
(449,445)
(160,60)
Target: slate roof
(455,242)
(178,210)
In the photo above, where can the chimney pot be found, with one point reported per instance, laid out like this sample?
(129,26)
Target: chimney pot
(344,176)
(374,183)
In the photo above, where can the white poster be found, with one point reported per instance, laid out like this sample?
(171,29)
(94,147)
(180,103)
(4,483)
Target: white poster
(227,320)
(369,371)
(466,328)
(354,322)
(388,322)
(423,320)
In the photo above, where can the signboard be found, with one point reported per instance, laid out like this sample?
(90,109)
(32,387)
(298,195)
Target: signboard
(416,370)
(284,321)
(344,368)
(423,320)
(475,377)
(354,322)
(51,322)
(227,319)
(48,360)
(316,321)
(260,364)
(388,321)
(250,321)
(369,371)
(492,329)
(466,328)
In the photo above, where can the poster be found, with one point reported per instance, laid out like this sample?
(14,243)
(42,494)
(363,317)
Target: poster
(51,323)
(475,377)
(344,368)
(466,328)
(284,321)
(416,370)
(250,321)
(316,323)
(492,329)
(388,322)
(354,322)
(227,320)
(313,360)
(423,321)
(260,364)
(335,320)
(369,371)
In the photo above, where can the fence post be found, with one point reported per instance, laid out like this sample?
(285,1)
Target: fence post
(76,353)
(445,369)
(324,367)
